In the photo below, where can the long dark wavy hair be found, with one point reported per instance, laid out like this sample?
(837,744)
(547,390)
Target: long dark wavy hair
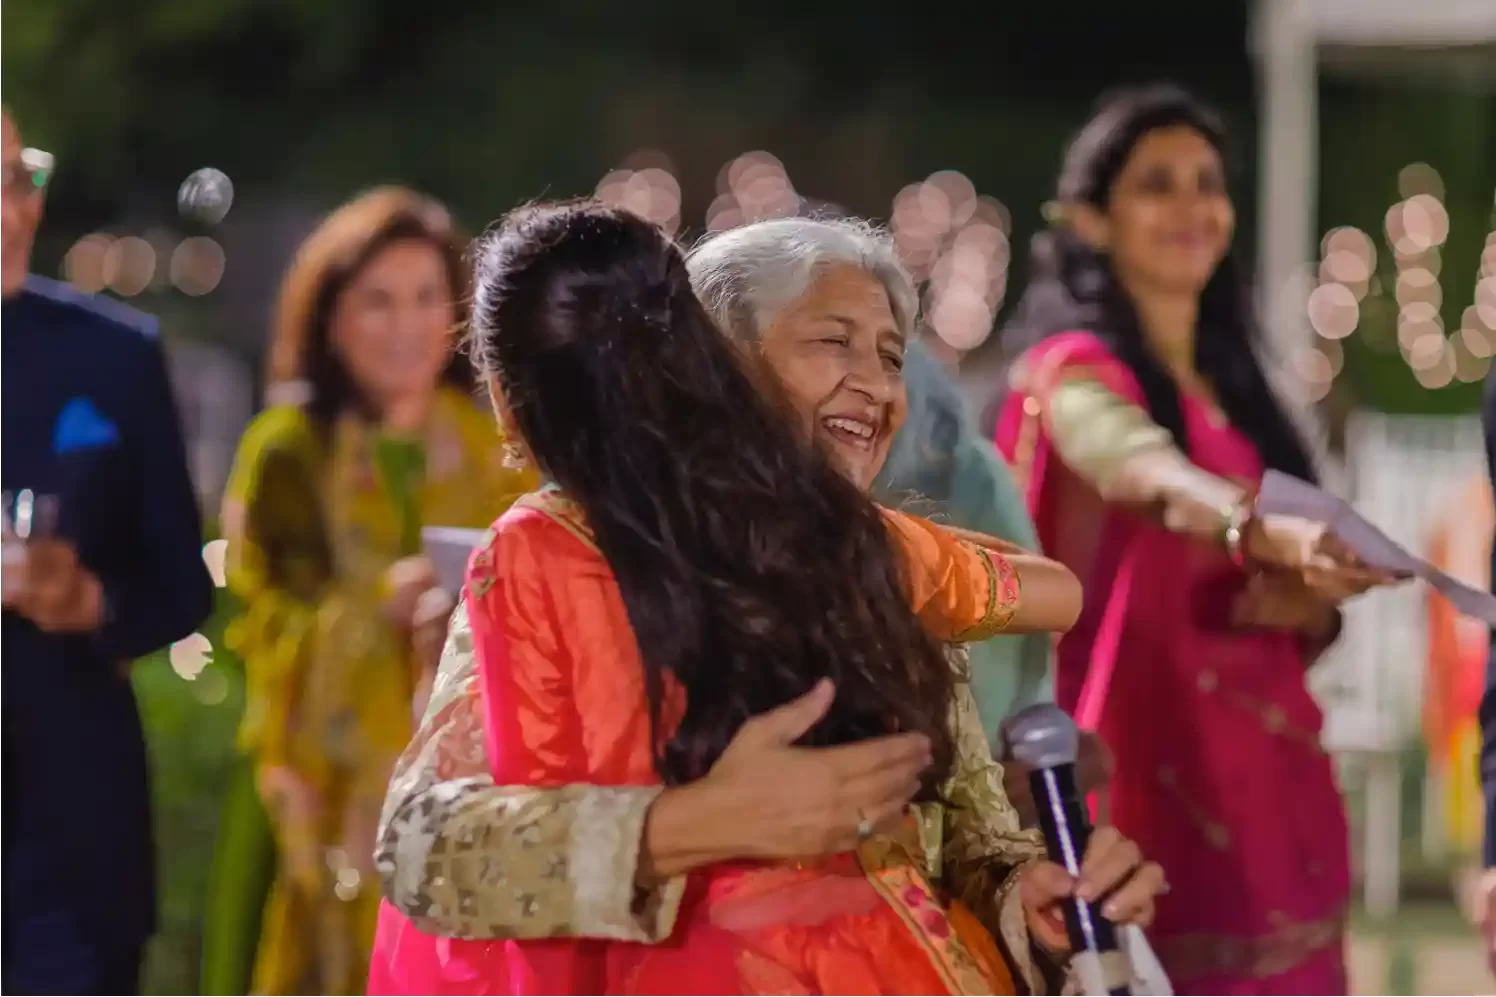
(1073,286)
(749,567)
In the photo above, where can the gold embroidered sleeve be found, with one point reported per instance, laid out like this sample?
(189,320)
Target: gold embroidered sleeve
(985,851)
(1096,431)
(465,858)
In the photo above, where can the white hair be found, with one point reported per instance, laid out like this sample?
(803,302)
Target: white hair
(748,275)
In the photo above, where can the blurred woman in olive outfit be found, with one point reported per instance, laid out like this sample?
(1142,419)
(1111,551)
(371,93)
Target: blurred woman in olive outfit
(323,515)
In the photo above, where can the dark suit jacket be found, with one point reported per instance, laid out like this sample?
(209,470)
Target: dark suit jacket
(77,842)
(1488,698)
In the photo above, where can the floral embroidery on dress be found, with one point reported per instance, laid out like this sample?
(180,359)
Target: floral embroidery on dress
(481,576)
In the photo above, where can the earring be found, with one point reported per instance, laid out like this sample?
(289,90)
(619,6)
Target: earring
(514,456)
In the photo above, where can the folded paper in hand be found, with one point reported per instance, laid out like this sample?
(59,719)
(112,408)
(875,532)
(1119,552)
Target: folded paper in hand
(449,548)
(1283,495)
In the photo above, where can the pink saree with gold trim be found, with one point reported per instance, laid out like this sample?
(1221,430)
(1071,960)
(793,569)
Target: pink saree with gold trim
(1219,771)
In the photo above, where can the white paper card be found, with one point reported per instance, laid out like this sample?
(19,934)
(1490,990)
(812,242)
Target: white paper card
(1282,495)
(449,548)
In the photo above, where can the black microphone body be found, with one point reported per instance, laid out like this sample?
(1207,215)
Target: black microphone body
(1045,738)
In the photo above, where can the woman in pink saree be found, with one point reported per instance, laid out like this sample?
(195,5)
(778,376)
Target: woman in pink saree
(1140,442)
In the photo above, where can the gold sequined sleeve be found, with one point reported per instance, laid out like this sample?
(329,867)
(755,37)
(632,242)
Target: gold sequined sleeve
(1097,431)
(465,858)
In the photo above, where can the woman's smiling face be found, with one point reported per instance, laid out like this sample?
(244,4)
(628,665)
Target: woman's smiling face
(839,352)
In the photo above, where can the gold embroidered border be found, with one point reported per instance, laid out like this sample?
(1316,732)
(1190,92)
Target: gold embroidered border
(903,889)
(564,511)
(1004,591)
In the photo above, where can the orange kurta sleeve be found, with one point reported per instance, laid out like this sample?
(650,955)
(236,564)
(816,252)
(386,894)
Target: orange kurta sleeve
(960,591)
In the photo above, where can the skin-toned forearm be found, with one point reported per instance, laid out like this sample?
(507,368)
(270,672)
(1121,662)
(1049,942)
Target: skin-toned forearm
(1051,596)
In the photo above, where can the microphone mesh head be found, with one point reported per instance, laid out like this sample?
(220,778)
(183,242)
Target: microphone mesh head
(1042,736)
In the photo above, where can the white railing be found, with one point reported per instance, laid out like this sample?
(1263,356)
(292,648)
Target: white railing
(1402,473)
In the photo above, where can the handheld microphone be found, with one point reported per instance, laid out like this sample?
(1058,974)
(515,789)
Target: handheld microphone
(1045,739)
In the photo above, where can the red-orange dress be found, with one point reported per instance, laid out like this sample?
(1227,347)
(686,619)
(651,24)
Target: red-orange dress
(562,691)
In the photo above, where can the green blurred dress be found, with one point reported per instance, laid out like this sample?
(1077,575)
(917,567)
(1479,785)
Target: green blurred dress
(314,521)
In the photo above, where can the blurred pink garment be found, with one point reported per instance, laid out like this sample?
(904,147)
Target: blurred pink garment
(1219,771)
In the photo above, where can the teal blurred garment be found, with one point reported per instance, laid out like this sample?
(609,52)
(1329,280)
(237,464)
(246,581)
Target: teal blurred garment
(941,467)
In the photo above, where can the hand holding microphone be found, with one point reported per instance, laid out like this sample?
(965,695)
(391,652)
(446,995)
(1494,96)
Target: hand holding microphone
(1092,881)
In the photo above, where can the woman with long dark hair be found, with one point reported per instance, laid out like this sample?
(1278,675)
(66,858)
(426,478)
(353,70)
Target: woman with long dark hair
(1140,423)
(702,606)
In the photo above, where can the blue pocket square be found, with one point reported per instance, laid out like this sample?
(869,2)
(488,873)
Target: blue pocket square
(81,426)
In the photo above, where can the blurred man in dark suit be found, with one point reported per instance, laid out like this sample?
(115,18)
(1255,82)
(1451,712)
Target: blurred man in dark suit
(103,564)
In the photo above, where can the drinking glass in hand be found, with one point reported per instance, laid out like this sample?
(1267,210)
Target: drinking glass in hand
(23,515)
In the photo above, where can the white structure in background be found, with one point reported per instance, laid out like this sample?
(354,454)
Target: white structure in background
(1396,467)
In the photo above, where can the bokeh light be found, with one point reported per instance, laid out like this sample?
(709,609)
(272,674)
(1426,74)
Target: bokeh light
(1420,178)
(197,265)
(1333,311)
(1417,321)
(1315,369)
(1470,364)
(83,266)
(129,265)
(651,191)
(1439,371)
(955,242)
(1485,301)
(1418,285)
(752,187)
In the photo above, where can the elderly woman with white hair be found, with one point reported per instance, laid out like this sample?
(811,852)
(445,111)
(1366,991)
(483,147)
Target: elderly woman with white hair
(829,310)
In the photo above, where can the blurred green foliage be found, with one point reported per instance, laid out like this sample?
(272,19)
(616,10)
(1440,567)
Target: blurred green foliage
(190,728)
